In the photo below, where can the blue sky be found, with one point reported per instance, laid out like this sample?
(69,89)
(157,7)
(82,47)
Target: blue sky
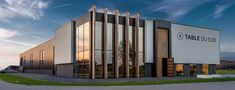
(26,23)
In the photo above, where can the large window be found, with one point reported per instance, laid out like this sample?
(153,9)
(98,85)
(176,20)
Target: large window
(131,51)
(82,51)
(98,50)
(31,60)
(205,69)
(141,51)
(110,50)
(148,54)
(121,50)
(41,58)
(24,61)
(193,70)
(179,69)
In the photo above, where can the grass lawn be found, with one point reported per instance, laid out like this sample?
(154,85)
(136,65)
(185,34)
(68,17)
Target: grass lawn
(229,71)
(26,81)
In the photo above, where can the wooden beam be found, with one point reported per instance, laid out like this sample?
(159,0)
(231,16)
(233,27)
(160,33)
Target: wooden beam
(105,61)
(127,75)
(137,46)
(116,66)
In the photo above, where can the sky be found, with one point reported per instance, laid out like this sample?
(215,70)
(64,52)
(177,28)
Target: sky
(27,23)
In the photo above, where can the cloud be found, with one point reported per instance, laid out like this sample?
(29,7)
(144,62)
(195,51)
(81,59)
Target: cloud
(63,5)
(19,43)
(6,33)
(175,8)
(219,10)
(10,9)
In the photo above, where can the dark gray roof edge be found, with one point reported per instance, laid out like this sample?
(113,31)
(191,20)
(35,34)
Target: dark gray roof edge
(214,29)
(197,26)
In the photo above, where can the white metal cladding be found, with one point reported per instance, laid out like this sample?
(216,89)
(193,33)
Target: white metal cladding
(195,45)
(63,41)
(148,41)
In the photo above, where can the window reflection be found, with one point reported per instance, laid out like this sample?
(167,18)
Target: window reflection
(80,38)
(77,39)
(86,36)
(82,55)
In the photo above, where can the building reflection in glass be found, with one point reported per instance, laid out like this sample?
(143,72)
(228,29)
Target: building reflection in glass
(82,51)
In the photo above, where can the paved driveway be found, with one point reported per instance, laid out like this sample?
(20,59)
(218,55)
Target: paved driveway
(196,86)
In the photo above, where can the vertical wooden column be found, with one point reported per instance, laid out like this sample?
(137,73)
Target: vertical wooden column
(105,76)
(92,40)
(162,49)
(116,66)
(137,46)
(127,75)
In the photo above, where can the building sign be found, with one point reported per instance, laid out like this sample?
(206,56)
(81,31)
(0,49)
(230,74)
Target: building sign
(195,45)
(182,36)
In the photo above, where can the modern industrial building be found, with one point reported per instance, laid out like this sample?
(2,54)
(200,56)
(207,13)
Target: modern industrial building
(108,44)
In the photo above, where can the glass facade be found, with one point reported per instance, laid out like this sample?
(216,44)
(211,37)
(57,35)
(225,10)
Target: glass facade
(83,51)
(91,64)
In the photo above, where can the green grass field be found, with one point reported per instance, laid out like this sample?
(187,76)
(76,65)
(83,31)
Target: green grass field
(26,81)
(229,71)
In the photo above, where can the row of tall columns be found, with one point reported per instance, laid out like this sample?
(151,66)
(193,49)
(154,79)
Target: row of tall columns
(115,42)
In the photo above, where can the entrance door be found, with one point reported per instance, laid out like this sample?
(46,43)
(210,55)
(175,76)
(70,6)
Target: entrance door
(164,67)
(162,49)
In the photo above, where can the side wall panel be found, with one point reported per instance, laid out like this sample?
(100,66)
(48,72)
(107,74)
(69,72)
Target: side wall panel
(63,44)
